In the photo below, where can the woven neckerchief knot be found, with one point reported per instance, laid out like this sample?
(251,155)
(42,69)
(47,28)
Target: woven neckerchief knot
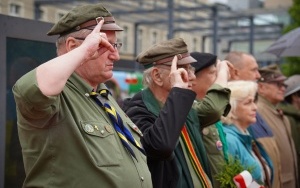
(123,133)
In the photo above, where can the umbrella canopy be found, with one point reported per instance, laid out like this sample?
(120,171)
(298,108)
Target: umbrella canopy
(287,45)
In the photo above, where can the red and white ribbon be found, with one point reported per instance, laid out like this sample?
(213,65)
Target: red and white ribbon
(245,180)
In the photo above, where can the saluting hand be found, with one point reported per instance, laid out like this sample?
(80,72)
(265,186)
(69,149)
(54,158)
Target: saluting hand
(96,43)
(178,77)
(223,68)
(223,72)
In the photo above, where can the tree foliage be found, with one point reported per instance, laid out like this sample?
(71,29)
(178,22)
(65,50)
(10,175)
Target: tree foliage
(291,65)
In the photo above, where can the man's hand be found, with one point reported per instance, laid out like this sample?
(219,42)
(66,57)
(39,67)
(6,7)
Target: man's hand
(223,72)
(96,43)
(178,77)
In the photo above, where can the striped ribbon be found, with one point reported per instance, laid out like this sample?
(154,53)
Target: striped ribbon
(124,134)
(195,161)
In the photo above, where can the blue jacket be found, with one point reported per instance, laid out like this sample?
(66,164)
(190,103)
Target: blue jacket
(260,129)
(240,146)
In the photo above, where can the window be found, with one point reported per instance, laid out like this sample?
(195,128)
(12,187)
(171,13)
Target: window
(59,15)
(140,41)
(194,44)
(42,14)
(15,9)
(124,40)
(154,37)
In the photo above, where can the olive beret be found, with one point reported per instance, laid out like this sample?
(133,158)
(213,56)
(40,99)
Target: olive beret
(82,17)
(271,73)
(164,52)
(203,60)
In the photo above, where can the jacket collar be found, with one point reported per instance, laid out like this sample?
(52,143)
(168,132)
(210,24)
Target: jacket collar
(150,101)
(82,85)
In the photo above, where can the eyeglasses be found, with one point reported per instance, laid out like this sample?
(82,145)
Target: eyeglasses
(116,45)
(189,68)
(279,84)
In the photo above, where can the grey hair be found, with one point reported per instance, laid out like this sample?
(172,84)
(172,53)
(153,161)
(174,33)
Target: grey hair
(147,79)
(240,89)
(60,42)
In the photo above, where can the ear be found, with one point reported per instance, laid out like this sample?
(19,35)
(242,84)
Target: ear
(261,88)
(234,73)
(156,77)
(71,43)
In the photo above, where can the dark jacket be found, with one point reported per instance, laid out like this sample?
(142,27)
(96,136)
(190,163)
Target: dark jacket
(161,129)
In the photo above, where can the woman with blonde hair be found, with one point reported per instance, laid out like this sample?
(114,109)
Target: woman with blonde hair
(241,145)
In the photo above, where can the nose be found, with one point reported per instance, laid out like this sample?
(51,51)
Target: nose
(254,106)
(192,75)
(114,56)
(257,75)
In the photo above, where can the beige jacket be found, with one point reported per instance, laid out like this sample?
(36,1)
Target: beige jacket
(281,129)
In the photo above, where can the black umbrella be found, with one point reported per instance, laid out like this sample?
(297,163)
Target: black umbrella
(287,45)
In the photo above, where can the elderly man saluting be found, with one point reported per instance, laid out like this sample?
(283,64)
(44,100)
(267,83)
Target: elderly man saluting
(68,136)
(171,138)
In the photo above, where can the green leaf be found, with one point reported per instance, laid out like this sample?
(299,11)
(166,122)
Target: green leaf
(229,170)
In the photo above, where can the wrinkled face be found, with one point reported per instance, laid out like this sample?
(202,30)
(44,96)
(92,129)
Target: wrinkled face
(245,112)
(204,79)
(272,91)
(100,69)
(249,69)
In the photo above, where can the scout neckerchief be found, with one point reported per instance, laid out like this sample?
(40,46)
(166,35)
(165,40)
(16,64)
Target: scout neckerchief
(194,159)
(124,134)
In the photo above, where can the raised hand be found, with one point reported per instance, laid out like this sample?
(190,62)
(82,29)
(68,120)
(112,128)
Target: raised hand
(96,43)
(178,77)
(223,72)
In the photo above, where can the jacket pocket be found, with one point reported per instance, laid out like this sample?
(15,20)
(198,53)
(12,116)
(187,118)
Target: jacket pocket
(287,178)
(101,141)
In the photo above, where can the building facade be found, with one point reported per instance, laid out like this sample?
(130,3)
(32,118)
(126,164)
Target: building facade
(136,38)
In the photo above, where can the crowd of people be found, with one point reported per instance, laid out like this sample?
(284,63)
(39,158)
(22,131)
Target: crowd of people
(195,114)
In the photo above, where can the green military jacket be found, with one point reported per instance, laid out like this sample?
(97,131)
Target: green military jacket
(209,110)
(69,141)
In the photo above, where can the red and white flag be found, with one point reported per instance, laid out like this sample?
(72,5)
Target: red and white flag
(245,180)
